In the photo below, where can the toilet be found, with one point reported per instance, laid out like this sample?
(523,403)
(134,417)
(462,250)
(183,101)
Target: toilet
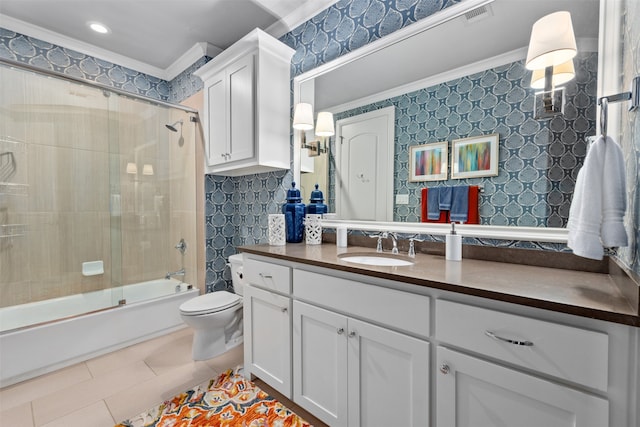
(216,317)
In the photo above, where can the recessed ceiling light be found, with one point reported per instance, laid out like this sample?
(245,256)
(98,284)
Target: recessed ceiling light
(99,28)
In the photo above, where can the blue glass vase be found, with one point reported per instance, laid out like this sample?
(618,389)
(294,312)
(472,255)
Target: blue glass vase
(294,211)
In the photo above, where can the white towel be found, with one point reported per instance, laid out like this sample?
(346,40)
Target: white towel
(599,202)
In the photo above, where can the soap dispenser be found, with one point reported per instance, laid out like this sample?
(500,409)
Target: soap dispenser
(453,248)
(316,205)
(293,212)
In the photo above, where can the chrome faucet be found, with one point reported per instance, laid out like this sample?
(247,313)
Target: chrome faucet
(180,272)
(394,238)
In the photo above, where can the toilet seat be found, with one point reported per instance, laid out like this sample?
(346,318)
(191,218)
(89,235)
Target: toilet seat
(210,303)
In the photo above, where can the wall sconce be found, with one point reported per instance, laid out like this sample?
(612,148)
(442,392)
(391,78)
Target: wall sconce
(147,169)
(132,168)
(303,121)
(551,50)
(324,129)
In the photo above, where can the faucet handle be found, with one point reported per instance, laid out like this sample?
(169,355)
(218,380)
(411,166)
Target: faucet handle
(379,237)
(412,249)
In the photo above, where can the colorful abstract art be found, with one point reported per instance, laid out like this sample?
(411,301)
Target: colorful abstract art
(428,162)
(229,400)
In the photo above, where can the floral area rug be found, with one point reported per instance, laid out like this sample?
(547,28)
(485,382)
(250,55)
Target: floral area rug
(229,400)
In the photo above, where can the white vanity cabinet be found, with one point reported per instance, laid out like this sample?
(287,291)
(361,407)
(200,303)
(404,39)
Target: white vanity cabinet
(267,324)
(358,350)
(247,107)
(350,372)
(545,356)
(474,392)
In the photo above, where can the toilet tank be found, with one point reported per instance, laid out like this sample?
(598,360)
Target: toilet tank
(237,276)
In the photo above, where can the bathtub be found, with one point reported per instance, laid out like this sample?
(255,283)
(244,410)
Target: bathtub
(151,310)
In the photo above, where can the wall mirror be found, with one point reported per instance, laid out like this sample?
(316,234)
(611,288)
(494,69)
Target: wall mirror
(456,74)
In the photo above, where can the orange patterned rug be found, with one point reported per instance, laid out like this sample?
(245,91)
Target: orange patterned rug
(229,400)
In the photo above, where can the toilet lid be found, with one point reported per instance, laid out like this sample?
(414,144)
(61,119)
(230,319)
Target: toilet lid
(210,303)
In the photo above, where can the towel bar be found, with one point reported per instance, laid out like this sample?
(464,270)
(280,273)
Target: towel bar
(604,101)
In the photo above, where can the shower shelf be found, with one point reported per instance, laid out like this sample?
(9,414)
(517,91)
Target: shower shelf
(12,230)
(13,189)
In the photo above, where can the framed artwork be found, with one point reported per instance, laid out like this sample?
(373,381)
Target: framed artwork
(474,157)
(428,162)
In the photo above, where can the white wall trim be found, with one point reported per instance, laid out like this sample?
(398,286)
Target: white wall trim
(299,16)
(187,59)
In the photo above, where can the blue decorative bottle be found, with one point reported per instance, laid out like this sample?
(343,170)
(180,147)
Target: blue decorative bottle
(316,206)
(293,212)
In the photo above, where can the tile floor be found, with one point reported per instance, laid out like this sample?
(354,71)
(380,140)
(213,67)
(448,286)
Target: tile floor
(116,386)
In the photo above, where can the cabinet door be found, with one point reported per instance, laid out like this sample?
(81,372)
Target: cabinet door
(320,363)
(472,392)
(241,137)
(388,377)
(217,119)
(267,332)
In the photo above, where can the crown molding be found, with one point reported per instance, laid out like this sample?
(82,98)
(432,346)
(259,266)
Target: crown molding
(187,59)
(299,16)
(49,36)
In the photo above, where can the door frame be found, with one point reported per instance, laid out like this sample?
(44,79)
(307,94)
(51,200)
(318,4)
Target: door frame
(390,114)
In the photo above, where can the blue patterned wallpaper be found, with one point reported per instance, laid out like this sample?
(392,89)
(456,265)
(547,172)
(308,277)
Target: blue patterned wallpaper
(538,159)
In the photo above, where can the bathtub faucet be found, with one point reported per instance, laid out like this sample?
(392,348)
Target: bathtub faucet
(180,272)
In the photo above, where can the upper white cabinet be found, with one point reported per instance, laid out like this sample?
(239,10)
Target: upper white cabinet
(247,107)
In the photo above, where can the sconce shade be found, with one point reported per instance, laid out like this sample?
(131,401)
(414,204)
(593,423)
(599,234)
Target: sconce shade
(303,117)
(561,74)
(324,126)
(147,169)
(552,41)
(132,168)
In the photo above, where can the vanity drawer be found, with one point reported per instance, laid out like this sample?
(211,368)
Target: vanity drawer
(397,309)
(266,275)
(566,352)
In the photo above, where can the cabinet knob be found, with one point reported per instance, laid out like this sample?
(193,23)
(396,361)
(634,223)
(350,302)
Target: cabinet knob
(352,334)
(285,309)
(444,368)
(340,331)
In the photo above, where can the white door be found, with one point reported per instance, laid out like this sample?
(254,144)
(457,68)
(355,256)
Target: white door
(388,377)
(471,392)
(320,363)
(364,166)
(241,135)
(267,331)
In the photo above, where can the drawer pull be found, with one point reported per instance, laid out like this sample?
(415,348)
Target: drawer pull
(444,368)
(284,309)
(515,342)
(352,334)
(340,331)
(266,276)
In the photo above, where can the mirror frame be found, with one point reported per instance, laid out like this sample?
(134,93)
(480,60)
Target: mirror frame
(534,234)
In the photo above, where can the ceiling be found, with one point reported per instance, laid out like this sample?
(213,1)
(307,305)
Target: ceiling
(151,35)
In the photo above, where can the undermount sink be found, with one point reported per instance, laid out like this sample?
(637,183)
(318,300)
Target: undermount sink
(377,259)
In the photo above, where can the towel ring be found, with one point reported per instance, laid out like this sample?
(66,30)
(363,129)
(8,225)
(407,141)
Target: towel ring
(633,95)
